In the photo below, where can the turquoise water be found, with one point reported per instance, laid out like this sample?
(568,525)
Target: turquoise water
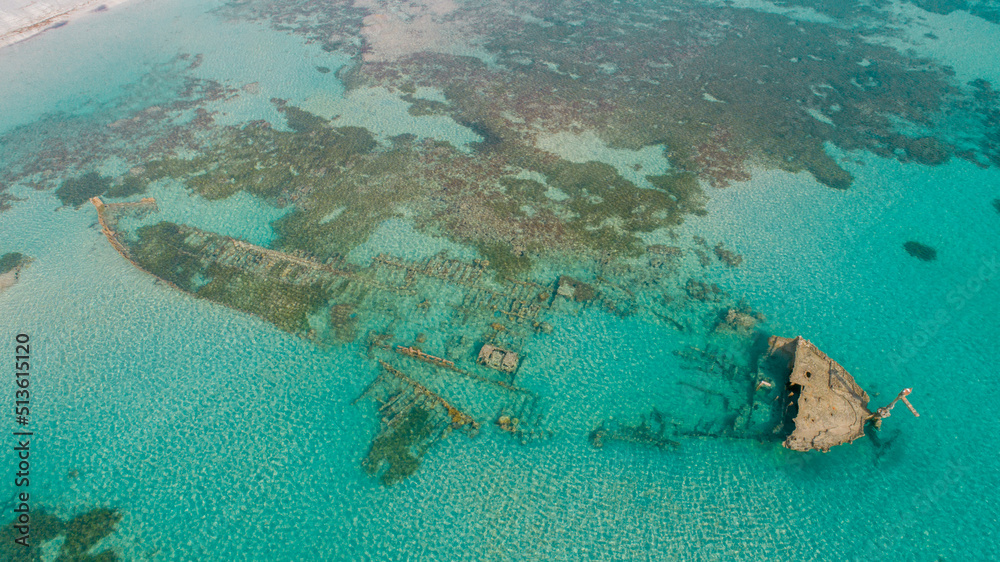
(220,437)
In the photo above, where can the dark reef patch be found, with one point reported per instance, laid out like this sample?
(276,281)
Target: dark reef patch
(126,187)
(82,533)
(299,120)
(12,260)
(420,107)
(5,200)
(920,251)
(928,150)
(76,191)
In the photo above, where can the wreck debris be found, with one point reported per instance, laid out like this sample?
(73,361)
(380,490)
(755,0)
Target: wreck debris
(507,423)
(413,418)
(453,271)
(326,298)
(574,289)
(650,432)
(107,217)
(497,358)
(414,352)
(378,340)
(458,418)
(886,411)
(521,411)
(709,360)
(832,408)
(523,418)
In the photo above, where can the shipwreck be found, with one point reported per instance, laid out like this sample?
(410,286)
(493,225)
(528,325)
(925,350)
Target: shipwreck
(832,408)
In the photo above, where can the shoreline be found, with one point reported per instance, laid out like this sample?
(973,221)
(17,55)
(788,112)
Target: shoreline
(21,24)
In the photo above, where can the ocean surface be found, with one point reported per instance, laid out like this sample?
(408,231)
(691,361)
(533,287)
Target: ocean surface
(216,435)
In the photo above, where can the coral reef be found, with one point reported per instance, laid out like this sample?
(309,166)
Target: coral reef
(710,83)
(720,161)
(162,113)
(333,25)
(718,86)
(343,185)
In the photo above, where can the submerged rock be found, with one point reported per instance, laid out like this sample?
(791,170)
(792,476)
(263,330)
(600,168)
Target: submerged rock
(832,408)
(737,321)
(11,265)
(920,251)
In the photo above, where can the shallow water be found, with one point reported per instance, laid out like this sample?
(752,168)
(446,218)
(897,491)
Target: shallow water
(220,437)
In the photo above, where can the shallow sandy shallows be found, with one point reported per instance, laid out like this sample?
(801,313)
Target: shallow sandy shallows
(21,19)
(8,279)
